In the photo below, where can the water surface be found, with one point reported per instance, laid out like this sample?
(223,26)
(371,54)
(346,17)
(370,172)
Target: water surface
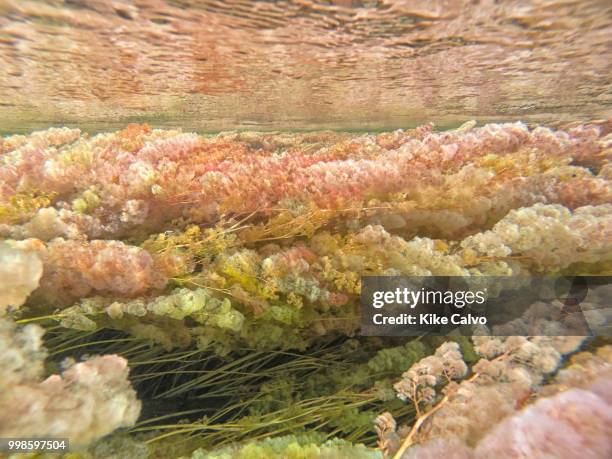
(340,64)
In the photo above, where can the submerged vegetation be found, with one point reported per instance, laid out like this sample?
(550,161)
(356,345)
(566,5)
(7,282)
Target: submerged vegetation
(210,284)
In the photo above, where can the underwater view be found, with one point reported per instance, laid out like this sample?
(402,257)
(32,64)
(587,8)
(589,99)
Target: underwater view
(304,229)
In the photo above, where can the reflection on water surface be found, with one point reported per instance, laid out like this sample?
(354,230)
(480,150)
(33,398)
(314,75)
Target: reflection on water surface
(212,65)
